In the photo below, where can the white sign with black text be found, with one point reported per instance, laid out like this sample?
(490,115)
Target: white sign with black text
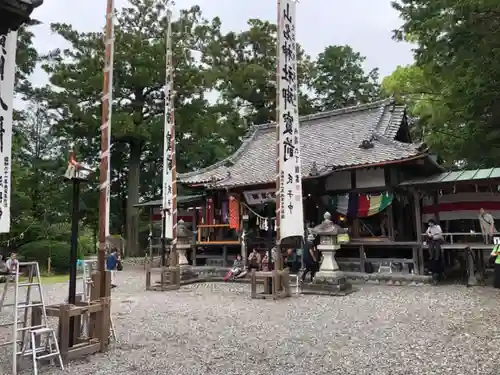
(168,145)
(290,174)
(8,45)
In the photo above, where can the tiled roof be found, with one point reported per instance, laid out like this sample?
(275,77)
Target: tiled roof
(330,139)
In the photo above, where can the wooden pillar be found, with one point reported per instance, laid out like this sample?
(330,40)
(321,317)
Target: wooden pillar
(419,231)
(64,331)
(389,210)
(355,222)
(435,208)
(193,240)
(390,223)
(355,228)
(435,205)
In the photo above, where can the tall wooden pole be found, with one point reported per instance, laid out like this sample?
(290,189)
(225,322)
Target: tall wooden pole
(105,143)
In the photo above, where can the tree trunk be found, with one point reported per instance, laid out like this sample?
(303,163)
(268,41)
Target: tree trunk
(133,198)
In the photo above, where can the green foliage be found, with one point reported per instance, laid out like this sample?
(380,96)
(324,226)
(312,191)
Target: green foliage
(237,69)
(40,251)
(413,86)
(339,79)
(458,49)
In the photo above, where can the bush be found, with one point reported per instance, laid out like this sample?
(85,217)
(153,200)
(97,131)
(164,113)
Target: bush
(40,251)
(86,245)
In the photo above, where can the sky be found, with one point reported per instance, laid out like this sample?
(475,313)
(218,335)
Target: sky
(365,25)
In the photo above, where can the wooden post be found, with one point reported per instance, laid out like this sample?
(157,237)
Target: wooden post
(390,223)
(94,296)
(77,323)
(253,284)
(418,229)
(105,324)
(416,265)
(362,259)
(64,330)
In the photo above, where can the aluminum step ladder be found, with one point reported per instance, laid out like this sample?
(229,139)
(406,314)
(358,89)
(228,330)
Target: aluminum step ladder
(385,267)
(86,267)
(38,342)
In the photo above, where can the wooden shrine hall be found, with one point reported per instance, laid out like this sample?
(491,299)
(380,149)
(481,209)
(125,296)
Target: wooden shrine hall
(358,163)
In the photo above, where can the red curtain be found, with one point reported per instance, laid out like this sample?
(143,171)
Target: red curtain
(234,213)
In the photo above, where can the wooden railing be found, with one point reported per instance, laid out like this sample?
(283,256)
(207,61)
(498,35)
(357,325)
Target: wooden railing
(454,238)
(216,234)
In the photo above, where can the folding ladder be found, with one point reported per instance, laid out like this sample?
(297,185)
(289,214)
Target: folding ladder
(30,342)
(86,267)
(385,267)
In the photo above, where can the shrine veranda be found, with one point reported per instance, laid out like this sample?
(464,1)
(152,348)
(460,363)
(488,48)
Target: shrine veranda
(215,328)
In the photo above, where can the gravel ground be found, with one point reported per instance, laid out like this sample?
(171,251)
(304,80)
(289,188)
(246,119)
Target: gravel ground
(218,329)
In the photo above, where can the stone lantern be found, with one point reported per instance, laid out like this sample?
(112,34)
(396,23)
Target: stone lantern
(328,245)
(184,237)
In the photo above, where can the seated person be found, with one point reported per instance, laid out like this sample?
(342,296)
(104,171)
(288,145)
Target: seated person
(12,265)
(254,260)
(266,265)
(238,268)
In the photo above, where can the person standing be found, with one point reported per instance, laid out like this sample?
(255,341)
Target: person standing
(487,224)
(435,237)
(309,258)
(111,265)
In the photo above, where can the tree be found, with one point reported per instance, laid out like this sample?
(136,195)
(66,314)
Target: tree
(243,68)
(412,86)
(139,77)
(459,44)
(339,79)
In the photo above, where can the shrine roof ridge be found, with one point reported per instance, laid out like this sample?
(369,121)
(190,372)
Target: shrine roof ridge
(334,137)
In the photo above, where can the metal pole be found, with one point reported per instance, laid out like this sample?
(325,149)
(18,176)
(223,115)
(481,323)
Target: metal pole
(105,144)
(73,257)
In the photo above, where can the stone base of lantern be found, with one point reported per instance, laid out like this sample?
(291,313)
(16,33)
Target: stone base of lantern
(329,280)
(183,261)
(331,283)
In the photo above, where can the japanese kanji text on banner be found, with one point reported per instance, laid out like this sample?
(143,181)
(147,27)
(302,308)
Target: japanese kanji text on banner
(8,44)
(289,164)
(167,165)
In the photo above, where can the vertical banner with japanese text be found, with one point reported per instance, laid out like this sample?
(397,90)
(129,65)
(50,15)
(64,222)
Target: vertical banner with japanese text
(287,116)
(168,143)
(167,165)
(8,45)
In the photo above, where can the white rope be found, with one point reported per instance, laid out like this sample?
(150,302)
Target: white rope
(256,214)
